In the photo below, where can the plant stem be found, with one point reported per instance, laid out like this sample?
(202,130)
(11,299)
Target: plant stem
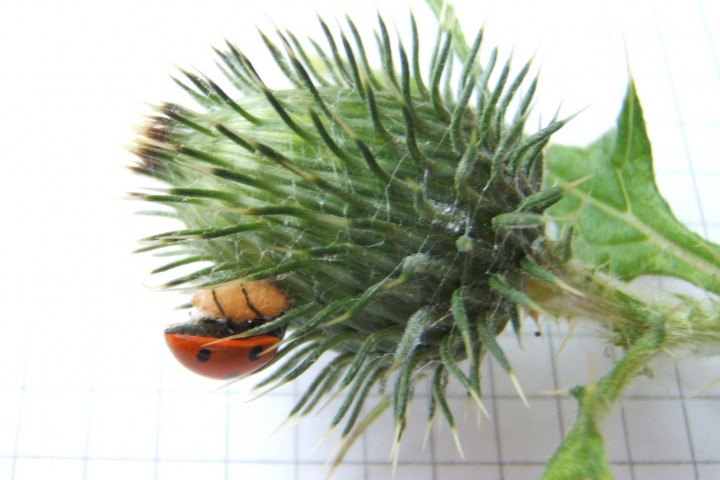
(582,453)
(645,323)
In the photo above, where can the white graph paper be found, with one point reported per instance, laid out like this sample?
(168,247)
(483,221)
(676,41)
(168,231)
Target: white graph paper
(87,388)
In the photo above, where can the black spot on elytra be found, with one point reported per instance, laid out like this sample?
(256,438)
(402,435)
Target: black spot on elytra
(255,353)
(203,355)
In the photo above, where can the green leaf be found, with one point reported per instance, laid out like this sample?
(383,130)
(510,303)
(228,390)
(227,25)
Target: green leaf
(621,222)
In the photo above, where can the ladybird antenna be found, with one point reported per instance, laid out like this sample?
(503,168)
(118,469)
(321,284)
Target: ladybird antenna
(217,302)
(260,315)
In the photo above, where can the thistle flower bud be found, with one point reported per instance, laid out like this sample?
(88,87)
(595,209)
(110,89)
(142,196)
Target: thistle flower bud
(395,210)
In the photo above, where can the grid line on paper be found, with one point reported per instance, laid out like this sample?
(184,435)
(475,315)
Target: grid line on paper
(20,410)
(18,428)
(681,127)
(556,383)
(686,421)
(710,39)
(433,455)
(453,396)
(228,397)
(88,426)
(496,423)
(82,458)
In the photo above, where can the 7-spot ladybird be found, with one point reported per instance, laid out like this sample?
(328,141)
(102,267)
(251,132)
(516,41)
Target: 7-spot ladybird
(228,310)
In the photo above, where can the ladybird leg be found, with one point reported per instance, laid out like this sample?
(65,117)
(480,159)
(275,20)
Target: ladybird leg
(279,332)
(217,303)
(260,315)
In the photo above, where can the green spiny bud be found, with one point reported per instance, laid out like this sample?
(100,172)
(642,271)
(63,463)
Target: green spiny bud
(393,209)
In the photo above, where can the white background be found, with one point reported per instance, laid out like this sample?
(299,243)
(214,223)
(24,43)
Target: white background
(87,389)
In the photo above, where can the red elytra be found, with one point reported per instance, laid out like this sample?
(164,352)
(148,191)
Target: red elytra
(191,345)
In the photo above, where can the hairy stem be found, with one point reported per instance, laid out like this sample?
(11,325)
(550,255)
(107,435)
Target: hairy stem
(582,453)
(645,323)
